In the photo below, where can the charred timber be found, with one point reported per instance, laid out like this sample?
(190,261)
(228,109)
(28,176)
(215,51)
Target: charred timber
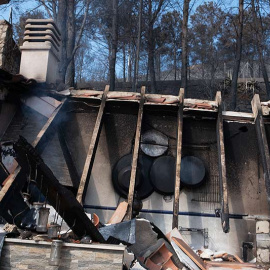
(57,195)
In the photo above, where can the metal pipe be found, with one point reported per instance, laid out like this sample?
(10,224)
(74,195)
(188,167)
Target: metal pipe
(166,212)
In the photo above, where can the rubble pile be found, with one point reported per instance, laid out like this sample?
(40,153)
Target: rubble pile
(145,243)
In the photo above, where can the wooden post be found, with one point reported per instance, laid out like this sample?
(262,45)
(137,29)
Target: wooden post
(88,165)
(178,158)
(262,141)
(222,168)
(135,155)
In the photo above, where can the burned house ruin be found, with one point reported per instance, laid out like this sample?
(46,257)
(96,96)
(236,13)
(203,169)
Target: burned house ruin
(195,167)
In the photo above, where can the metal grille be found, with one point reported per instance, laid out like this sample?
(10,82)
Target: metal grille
(209,192)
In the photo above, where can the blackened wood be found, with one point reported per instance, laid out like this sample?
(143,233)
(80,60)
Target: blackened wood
(58,196)
(135,154)
(262,142)
(238,55)
(184,37)
(16,180)
(178,159)
(222,168)
(88,165)
(74,175)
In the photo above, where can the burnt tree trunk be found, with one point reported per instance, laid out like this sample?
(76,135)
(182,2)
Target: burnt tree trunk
(151,49)
(184,45)
(65,20)
(129,63)
(152,16)
(138,44)
(114,34)
(124,62)
(70,74)
(238,54)
(174,61)
(62,25)
(259,43)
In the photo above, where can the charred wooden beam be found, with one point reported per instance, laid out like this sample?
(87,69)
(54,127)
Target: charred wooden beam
(17,207)
(222,168)
(74,175)
(262,142)
(58,196)
(135,155)
(16,180)
(48,129)
(178,159)
(88,165)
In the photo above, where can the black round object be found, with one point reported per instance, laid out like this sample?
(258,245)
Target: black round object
(192,171)
(121,176)
(162,175)
(124,178)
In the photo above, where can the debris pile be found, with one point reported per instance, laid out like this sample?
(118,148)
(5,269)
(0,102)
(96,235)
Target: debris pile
(149,246)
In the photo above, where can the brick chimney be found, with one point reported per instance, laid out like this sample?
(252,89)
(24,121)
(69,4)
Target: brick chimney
(41,51)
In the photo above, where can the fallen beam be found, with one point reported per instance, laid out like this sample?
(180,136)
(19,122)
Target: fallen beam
(222,168)
(178,159)
(16,180)
(58,196)
(135,155)
(88,165)
(262,142)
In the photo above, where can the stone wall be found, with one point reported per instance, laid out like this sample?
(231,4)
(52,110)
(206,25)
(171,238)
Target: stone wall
(28,254)
(9,51)
(263,241)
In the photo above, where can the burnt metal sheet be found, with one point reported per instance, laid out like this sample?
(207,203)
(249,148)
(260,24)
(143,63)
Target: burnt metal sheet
(125,232)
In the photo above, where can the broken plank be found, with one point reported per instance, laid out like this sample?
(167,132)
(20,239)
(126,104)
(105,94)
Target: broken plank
(222,168)
(184,258)
(88,165)
(189,252)
(262,142)
(135,155)
(237,116)
(178,159)
(119,213)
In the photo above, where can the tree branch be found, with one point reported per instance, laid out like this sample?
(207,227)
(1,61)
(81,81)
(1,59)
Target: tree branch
(46,8)
(157,11)
(77,45)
